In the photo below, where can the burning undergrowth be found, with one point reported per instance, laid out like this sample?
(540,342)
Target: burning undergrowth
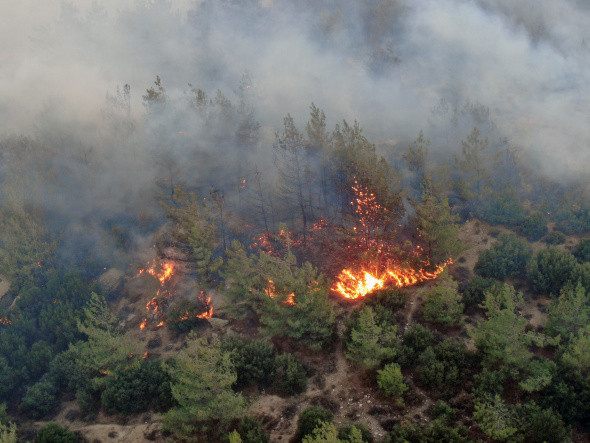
(169,305)
(361,255)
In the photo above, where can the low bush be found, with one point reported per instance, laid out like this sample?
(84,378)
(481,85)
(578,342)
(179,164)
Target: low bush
(54,433)
(507,258)
(310,419)
(550,269)
(290,376)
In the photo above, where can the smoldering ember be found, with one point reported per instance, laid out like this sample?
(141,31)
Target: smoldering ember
(306,221)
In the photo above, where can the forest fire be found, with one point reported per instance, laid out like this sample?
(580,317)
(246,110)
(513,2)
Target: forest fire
(209,312)
(164,274)
(271,291)
(353,284)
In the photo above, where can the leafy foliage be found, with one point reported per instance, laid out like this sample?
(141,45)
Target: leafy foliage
(290,375)
(391,381)
(202,378)
(182,316)
(473,292)
(496,419)
(371,341)
(415,340)
(502,337)
(568,313)
(555,238)
(140,388)
(438,227)
(508,258)
(40,400)
(54,433)
(254,361)
(550,269)
(251,431)
(290,300)
(194,228)
(310,419)
(24,243)
(582,251)
(443,303)
(323,433)
(439,429)
(443,368)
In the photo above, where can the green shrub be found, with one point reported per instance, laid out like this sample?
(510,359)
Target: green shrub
(414,341)
(310,419)
(39,400)
(540,425)
(555,238)
(290,375)
(254,361)
(372,340)
(582,251)
(501,210)
(54,433)
(573,221)
(581,275)
(251,431)
(473,292)
(443,304)
(507,258)
(443,368)
(569,395)
(489,382)
(391,381)
(390,298)
(550,269)
(533,226)
(138,389)
(347,432)
(438,430)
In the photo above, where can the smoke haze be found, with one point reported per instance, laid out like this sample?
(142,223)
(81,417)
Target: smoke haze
(518,70)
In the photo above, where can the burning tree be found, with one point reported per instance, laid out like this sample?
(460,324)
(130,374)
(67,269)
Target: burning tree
(377,259)
(194,230)
(289,299)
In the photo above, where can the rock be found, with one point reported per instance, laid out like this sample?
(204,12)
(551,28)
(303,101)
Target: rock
(111,280)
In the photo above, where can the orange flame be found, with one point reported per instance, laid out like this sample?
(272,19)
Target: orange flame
(163,275)
(209,312)
(143,324)
(152,306)
(352,284)
(271,291)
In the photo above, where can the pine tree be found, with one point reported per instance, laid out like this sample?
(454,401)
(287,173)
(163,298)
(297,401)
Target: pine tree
(202,378)
(193,228)
(105,349)
(370,342)
(438,227)
(294,172)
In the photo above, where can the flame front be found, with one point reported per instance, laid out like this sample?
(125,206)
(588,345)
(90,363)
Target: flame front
(209,312)
(163,274)
(352,284)
(271,291)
